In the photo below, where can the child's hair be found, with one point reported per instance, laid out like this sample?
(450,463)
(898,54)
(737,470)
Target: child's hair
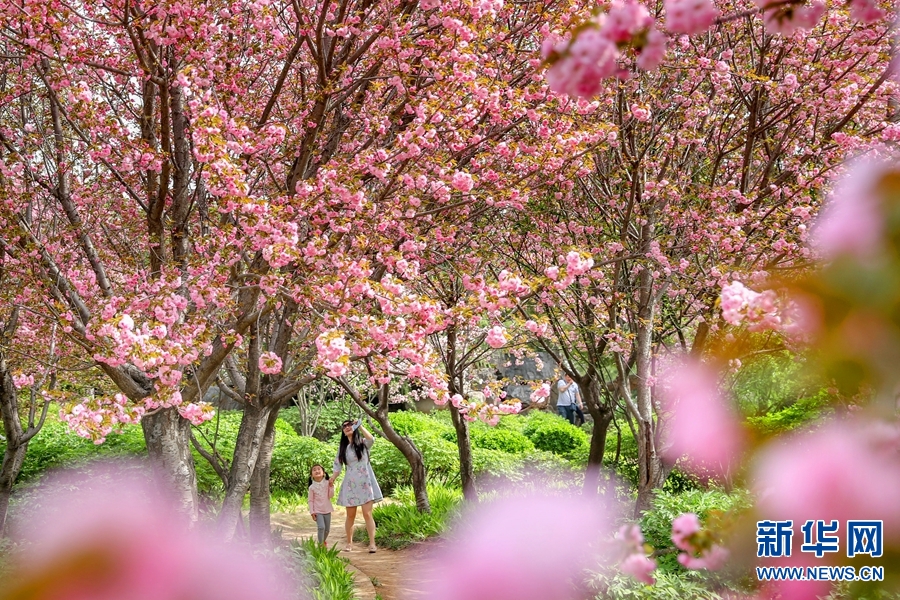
(323,470)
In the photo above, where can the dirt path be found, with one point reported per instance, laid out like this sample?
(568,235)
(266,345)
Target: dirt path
(387,574)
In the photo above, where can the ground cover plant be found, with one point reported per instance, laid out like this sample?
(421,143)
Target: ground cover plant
(401,524)
(326,569)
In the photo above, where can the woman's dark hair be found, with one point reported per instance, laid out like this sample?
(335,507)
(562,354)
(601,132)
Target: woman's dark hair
(327,477)
(357,444)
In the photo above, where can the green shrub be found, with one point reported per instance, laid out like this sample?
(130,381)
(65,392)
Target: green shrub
(293,458)
(515,422)
(443,499)
(287,502)
(409,422)
(55,446)
(485,436)
(657,522)
(801,412)
(489,464)
(220,431)
(327,570)
(505,440)
(441,457)
(392,469)
(555,435)
(390,466)
(668,586)
(540,464)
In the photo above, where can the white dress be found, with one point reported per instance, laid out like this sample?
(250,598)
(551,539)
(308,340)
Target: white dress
(359,485)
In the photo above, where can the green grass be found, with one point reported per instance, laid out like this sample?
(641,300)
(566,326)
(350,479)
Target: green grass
(287,501)
(327,571)
(401,524)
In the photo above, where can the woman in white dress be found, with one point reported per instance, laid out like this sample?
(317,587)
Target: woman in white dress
(359,487)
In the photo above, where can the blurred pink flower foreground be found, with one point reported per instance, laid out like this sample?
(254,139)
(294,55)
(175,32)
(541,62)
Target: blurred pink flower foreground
(851,223)
(516,548)
(703,428)
(109,536)
(846,470)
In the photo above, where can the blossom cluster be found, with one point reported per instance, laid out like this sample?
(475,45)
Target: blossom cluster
(698,553)
(578,66)
(96,417)
(636,562)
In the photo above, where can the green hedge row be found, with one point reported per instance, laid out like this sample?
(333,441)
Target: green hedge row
(519,447)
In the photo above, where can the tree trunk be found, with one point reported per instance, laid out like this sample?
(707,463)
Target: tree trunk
(652,473)
(602,416)
(168,438)
(246,452)
(16,442)
(413,456)
(466,469)
(463,443)
(13,458)
(260,495)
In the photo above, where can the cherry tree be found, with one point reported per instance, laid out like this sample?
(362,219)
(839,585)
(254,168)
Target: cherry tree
(714,173)
(193,164)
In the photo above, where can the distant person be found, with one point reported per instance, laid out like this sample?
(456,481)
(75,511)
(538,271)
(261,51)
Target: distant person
(569,398)
(579,408)
(359,487)
(321,491)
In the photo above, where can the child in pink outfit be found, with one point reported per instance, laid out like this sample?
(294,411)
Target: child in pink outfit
(321,490)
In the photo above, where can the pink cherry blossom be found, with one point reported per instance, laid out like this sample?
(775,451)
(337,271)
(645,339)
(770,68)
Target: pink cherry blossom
(690,17)
(537,329)
(496,337)
(583,64)
(839,471)
(758,310)
(711,559)
(866,11)
(197,412)
(683,527)
(576,264)
(636,563)
(270,363)
(21,381)
(786,18)
(640,113)
(625,19)
(541,393)
(795,589)
(126,322)
(653,52)
(640,566)
(851,222)
(703,428)
(144,546)
(429,4)
(734,300)
(537,558)
(462,182)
